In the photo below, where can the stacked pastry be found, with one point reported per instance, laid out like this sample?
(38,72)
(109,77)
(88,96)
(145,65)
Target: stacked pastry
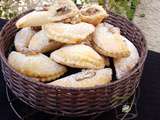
(74,38)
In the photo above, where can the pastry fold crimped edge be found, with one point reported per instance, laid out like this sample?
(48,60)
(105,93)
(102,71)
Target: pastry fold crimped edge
(80,64)
(68,39)
(49,78)
(79,61)
(121,48)
(22,67)
(110,53)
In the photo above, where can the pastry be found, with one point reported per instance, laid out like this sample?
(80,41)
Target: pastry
(36,66)
(93,14)
(23,38)
(66,11)
(108,41)
(85,79)
(68,33)
(125,65)
(59,11)
(35,18)
(40,42)
(78,56)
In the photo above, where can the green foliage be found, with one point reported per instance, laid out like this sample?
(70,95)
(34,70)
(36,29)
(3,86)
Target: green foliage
(101,2)
(5,11)
(124,7)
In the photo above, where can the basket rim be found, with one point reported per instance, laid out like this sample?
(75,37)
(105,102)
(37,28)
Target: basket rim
(4,59)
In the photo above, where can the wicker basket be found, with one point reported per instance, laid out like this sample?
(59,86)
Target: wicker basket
(69,101)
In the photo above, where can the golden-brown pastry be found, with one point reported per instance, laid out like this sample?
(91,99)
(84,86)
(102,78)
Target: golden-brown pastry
(35,18)
(23,38)
(66,11)
(93,14)
(78,56)
(85,79)
(59,11)
(36,66)
(40,42)
(108,41)
(68,33)
(125,65)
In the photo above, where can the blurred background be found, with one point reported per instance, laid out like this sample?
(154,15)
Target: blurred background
(10,8)
(144,13)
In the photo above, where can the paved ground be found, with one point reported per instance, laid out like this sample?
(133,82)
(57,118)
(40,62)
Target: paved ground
(150,24)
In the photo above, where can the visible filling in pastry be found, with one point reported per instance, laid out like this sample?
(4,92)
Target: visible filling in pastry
(90,11)
(63,10)
(93,14)
(86,75)
(36,28)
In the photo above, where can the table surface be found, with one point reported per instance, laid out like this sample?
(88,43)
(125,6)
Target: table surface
(148,104)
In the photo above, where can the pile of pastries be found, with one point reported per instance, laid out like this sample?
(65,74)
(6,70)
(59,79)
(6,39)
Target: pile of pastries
(55,38)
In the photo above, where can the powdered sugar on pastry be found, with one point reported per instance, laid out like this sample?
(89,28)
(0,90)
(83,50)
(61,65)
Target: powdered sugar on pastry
(108,41)
(125,65)
(78,56)
(59,11)
(87,78)
(40,42)
(23,38)
(39,65)
(68,33)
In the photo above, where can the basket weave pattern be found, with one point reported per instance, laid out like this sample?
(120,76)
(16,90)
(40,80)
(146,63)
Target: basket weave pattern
(69,101)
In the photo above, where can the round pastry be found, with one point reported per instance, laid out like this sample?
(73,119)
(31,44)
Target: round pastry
(125,65)
(68,33)
(93,14)
(108,41)
(85,79)
(23,38)
(79,56)
(40,42)
(36,66)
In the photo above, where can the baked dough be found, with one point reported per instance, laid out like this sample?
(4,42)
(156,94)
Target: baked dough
(41,43)
(68,33)
(59,11)
(125,65)
(108,41)
(85,79)
(23,38)
(36,66)
(78,56)
(93,14)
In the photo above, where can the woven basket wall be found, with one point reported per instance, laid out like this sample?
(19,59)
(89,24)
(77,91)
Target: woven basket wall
(73,102)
